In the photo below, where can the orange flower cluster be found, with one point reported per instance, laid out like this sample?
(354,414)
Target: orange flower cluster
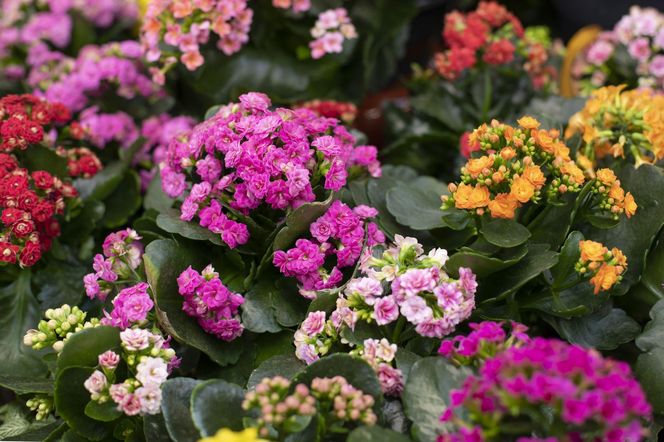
(620,124)
(520,165)
(612,197)
(604,267)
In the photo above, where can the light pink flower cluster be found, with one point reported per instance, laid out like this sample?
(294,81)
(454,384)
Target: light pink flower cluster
(213,305)
(331,29)
(555,390)
(341,232)
(103,129)
(487,339)
(248,156)
(380,355)
(122,255)
(148,359)
(294,5)
(640,35)
(184,25)
(76,82)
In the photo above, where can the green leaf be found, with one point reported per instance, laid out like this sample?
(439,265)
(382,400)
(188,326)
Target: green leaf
(356,371)
(171,223)
(18,423)
(649,364)
(40,157)
(554,111)
(481,264)
(82,348)
(298,222)
(257,313)
(18,313)
(124,201)
(286,365)
(538,259)
(61,281)
(22,385)
(71,398)
(164,262)
(211,112)
(426,395)
(209,398)
(175,405)
(106,412)
(405,360)
(417,205)
(569,255)
(604,329)
(376,434)
(154,428)
(505,233)
(155,198)
(103,184)
(377,190)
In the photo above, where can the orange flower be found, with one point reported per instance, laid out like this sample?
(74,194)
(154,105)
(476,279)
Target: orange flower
(605,278)
(619,256)
(544,141)
(630,205)
(561,151)
(606,176)
(575,174)
(469,197)
(503,206)
(592,251)
(534,176)
(475,167)
(617,193)
(522,189)
(528,122)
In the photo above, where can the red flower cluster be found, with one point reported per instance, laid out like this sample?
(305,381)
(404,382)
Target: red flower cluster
(492,35)
(341,110)
(29,203)
(81,161)
(23,117)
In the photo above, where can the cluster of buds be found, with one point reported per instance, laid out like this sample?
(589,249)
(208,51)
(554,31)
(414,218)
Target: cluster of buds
(604,267)
(518,165)
(42,405)
(487,339)
(620,124)
(59,325)
(149,360)
(284,408)
(380,355)
(331,29)
(493,36)
(611,197)
(278,409)
(341,110)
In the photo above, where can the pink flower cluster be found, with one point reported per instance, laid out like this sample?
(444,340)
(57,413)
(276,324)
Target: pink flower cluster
(341,233)
(563,391)
(331,29)
(96,69)
(213,305)
(487,339)
(149,360)
(102,129)
(158,131)
(641,35)
(130,307)
(186,24)
(380,355)
(122,254)
(247,156)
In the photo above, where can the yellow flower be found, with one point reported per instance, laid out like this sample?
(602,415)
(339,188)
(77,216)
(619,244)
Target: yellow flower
(528,122)
(226,435)
(592,251)
(522,189)
(503,206)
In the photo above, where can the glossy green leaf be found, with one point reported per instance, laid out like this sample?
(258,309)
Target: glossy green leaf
(154,428)
(40,157)
(106,412)
(417,204)
(123,202)
(155,198)
(298,222)
(171,223)
(209,398)
(376,434)
(286,365)
(103,184)
(569,255)
(483,265)
(426,395)
(21,384)
(175,405)
(82,348)
(505,233)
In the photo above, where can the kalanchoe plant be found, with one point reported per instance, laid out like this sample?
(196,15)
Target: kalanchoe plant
(60,323)
(631,53)
(617,125)
(547,389)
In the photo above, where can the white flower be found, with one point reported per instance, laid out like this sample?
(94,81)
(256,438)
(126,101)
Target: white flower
(150,398)
(135,339)
(152,371)
(385,350)
(439,256)
(96,383)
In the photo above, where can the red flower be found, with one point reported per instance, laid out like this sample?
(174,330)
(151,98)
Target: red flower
(27,200)
(7,163)
(42,211)
(89,165)
(30,254)
(42,179)
(11,215)
(23,228)
(14,185)
(8,252)
(499,52)
(465,146)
